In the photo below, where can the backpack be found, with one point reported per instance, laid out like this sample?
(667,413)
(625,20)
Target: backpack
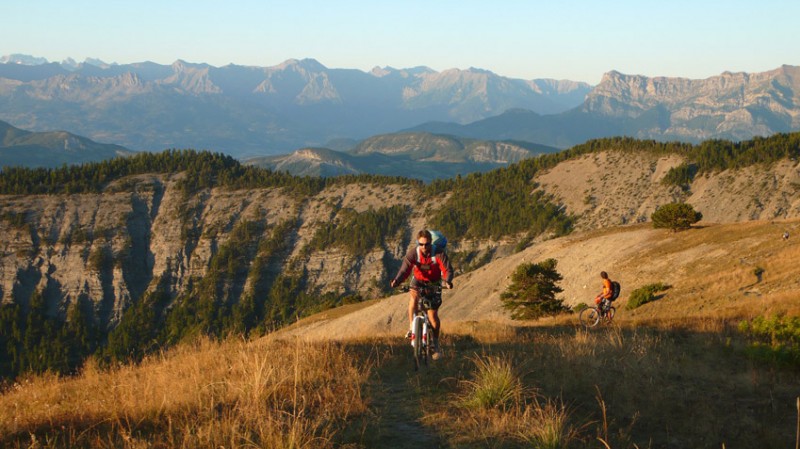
(438,244)
(614,290)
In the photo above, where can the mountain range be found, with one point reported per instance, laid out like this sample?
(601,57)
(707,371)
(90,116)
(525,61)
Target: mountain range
(422,156)
(251,111)
(733,106)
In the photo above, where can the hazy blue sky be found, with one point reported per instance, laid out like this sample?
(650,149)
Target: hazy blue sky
(565,39)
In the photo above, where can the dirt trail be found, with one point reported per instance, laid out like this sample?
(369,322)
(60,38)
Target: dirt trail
(399,399)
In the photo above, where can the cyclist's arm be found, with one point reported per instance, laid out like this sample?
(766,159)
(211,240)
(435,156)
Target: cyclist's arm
(445,267)
(405,268)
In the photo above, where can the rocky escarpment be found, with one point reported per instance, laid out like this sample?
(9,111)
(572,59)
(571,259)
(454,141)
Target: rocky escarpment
(145,231)
(734,106)
(615,188)
(115,246)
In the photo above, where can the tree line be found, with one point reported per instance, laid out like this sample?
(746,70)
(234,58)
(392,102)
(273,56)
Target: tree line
(360,233)
(203,169)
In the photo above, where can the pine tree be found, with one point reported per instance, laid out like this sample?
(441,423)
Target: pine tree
(675,216)
(533,289)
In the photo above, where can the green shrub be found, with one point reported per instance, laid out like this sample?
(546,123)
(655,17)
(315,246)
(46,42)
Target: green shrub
(360,233)
(578,307)
(101,259)
(774,339)
(645,294)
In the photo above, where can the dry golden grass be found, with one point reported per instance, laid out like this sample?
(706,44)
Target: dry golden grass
(619,386)
(495,405)
(615,386)
(232,394)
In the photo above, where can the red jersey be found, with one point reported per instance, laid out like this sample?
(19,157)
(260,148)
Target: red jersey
(430,268)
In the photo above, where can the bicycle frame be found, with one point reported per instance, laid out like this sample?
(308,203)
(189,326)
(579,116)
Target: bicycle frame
(592,316)
(421,328)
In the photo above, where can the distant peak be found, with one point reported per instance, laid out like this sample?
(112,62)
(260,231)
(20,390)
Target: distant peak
(69,64)
(181,65)
(98,63)
(308,64)
(382,71)
(613,74)
(479,70)
(21,59)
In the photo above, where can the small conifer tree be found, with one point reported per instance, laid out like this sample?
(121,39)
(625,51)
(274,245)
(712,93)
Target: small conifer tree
(533,289)
(675,216)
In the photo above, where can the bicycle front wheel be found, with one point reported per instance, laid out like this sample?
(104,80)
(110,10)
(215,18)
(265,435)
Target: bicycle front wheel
(417,346)
(428,343)
(589,316)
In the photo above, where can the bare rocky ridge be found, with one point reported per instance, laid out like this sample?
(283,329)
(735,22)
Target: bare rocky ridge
(144,226)
(422,156)
(610,189)
(710,270)
(733,105)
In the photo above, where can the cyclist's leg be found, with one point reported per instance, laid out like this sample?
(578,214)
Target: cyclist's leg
(433,317)
(412,306)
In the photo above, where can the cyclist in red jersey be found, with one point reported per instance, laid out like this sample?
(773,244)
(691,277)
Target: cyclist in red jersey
(427,267)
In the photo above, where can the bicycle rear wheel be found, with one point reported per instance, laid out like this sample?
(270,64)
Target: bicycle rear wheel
(589,316)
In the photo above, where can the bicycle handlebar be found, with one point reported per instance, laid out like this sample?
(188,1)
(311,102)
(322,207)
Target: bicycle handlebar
(406,288)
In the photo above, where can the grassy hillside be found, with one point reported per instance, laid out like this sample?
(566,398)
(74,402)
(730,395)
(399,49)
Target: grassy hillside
(682,371)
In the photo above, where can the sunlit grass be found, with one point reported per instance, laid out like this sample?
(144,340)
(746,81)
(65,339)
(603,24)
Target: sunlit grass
(231,394)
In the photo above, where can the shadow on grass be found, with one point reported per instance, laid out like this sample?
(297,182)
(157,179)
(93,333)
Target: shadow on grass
(632,387)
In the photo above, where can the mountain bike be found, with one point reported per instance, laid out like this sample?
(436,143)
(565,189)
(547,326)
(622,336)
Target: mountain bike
(422,337)
(592,316)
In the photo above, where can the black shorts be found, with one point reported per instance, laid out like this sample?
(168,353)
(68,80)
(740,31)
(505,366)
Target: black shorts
(431,298)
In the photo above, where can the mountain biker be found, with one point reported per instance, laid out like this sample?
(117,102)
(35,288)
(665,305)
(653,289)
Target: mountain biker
(604,298)
(420,261)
